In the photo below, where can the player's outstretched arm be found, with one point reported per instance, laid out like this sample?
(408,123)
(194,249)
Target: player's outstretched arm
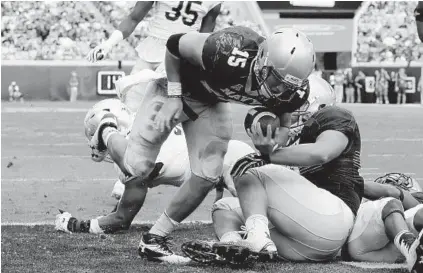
(374,191)
(179,47)
(328,146)
(209,21)
(124,30)
(419,19)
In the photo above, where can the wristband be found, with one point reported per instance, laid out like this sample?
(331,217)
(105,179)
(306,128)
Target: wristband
(174,89)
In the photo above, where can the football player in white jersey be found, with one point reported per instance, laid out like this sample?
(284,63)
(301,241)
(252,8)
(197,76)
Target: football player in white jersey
(169,17)
(172,168)
(389,223)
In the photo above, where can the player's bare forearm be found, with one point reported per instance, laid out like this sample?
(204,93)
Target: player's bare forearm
(374,191)
(138,13)
(298,155)
(209,21)
(328,146)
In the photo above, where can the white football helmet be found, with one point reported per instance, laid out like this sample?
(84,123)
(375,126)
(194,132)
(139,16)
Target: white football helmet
(284,62)
(321,95)
(96,113)
(400,180)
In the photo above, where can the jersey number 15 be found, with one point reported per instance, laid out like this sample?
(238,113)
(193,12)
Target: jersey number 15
(238,58)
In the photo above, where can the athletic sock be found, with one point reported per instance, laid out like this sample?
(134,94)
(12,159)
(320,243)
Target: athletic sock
(258,222)
(164,225)
(231,236)
(107,133)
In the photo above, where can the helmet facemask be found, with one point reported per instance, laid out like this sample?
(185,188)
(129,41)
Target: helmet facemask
(273,85)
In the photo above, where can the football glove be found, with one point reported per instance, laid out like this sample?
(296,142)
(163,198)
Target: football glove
(247,162)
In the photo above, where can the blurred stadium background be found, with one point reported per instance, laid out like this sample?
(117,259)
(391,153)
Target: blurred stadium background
(44,42)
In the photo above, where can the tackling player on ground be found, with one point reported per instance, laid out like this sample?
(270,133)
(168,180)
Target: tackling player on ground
(205,72)
(301,227)
(168,17)
(387,228)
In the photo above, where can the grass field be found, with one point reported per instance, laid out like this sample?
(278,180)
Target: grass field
(45,166)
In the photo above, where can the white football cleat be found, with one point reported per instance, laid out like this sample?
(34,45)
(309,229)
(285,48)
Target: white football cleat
(256,247)
(62,220)
(156,248)
(118,190)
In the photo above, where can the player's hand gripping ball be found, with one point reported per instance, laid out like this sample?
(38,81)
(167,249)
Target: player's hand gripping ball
(264,117)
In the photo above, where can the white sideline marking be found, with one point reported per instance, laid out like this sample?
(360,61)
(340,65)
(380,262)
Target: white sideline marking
(50,223)
(43,110)
(35,179)
(394,155)
(57,144)
(44,156)
(392,139)
(366,265)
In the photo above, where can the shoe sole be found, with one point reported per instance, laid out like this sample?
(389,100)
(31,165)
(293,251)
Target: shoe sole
(201,252)
(235,255)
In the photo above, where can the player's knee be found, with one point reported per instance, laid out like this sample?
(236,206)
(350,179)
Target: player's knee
(392,206)
(245,180)
(418,220)
(227,203)
(211,161)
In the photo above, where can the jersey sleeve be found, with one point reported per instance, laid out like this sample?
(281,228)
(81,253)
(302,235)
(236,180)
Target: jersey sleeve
(336,119)
(230,51)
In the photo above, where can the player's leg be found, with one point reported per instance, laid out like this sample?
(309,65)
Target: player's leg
(380,234)
(227,221)
(385,94)
(130,89)
(306,229)
(207,139)
(414,219)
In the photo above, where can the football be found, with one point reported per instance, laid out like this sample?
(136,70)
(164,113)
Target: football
(264,116)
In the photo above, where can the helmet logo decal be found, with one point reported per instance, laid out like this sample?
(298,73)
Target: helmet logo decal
(293,80)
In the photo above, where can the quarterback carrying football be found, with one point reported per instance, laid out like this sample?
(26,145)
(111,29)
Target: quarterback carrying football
(205,72)
(168,17)
(301,228)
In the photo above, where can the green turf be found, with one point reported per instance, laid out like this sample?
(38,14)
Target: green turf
(41,249)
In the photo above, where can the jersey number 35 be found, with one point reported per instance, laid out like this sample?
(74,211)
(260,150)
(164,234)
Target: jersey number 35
(176,13)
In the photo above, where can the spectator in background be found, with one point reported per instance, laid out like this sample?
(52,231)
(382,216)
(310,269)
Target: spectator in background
(73,86)
(339,86)
(392,83)
(384,84)
(402,86)
(14,92)
(360,82)
(349,86)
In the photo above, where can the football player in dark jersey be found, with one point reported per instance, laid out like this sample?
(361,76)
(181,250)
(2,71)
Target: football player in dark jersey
(312,211)
(418,13)
(308,216)
(205,72)
(389,223)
